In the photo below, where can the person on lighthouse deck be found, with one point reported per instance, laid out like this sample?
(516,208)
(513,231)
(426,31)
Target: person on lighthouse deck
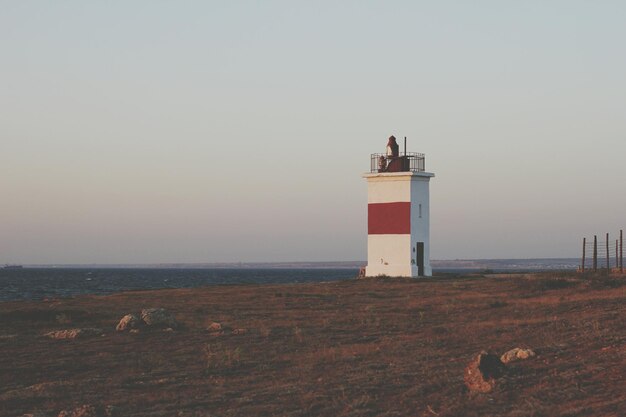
(393,150)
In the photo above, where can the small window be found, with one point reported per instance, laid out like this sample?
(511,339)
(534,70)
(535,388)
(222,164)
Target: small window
(420,211)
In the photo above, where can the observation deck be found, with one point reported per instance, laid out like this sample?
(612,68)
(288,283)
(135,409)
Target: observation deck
(408,162)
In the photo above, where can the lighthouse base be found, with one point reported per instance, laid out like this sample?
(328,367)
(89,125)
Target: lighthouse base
(404,271)
(396,256)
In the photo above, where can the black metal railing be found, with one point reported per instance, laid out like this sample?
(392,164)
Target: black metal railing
(409,162)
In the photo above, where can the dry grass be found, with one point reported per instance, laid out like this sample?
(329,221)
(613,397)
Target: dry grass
(359,348)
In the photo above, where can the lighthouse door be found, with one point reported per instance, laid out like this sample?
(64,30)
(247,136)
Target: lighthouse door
(419,254)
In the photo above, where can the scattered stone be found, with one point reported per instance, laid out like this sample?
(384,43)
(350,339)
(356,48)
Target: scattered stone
(158,317)
(481,373)
(74,333)
(134,331)
(240,331)
(215,327)
(128,322)
(82,411)
(517,354)
(88,410)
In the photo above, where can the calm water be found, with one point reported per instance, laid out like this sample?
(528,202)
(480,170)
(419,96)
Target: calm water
(36,284)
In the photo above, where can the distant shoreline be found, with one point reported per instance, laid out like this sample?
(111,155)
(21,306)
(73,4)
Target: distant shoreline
(465,264)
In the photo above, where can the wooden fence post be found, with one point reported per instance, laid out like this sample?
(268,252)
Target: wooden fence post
(608,266)
(621,251)
(595,253)
(583,260)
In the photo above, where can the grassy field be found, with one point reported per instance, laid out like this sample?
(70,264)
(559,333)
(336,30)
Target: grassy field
(388,347)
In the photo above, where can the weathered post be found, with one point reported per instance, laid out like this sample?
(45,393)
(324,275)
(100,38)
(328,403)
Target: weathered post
(608,267)
(616,254)
(621,251)
(595,253)
(583,260)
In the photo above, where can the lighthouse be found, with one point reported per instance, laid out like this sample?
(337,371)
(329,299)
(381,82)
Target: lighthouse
(398,214)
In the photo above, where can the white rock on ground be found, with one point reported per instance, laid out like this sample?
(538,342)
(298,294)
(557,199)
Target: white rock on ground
(516,354)
(158,317)
(74,333)
(128,322)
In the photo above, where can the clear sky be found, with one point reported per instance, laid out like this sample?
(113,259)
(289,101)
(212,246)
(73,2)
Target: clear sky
(201,131)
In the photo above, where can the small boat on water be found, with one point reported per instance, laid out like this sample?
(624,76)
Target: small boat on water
(7,266)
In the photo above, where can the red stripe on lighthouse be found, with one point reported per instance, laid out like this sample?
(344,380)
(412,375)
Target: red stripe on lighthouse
(389,218)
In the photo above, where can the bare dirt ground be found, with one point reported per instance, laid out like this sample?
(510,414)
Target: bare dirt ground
(353,348)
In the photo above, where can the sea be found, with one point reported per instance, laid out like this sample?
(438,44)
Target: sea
(46,283)
(37,283)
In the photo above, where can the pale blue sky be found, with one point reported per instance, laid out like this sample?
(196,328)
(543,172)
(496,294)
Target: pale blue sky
(154,131)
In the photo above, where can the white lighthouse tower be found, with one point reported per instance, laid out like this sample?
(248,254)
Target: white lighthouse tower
(398,214)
